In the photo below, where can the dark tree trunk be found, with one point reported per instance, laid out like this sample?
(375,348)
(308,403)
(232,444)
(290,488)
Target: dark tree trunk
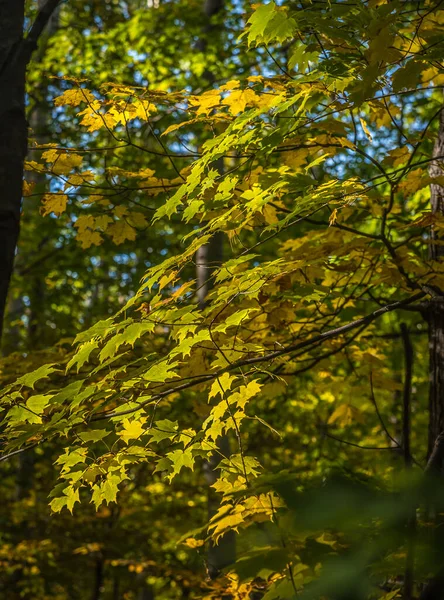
(39,121)
(13,137)
(436,309)
(15,53)
(98,579)
(434,589)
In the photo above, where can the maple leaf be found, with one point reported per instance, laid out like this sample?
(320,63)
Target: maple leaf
(132,430)
(30,379)
(345,414)
(28,187)
(239,99)
(221,385)
(180,459)
(53,203)
(89,238)
(74,97)
(121,231)
(205,102)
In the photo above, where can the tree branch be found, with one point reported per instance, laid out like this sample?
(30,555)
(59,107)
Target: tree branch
(332,333)
(29,44)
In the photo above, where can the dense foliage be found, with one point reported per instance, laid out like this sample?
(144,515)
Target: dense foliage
(222,298)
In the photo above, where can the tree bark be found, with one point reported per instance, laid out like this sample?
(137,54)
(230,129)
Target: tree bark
(435,314)
(39,122)
(15,53)
(434,589)
(13,137)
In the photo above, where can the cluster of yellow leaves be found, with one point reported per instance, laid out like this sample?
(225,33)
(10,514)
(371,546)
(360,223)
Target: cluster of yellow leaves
(63,162)
(242,514)
(236,99)
(124,229)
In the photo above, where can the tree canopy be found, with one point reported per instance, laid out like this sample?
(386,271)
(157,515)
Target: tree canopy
(223,349)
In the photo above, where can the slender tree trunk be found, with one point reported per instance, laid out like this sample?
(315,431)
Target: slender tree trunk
(98,578)
(434,589)
(436,307)
(209,257)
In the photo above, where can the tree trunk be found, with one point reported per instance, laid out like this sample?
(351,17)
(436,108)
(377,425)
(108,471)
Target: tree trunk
(434,589)
(219,556)
(13,137)
(436,308)
(98,578)
(15,53)
(39,120)
(208,258)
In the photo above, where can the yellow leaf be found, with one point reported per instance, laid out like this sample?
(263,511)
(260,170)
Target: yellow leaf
(75,179)
(333,217)
(183,288)
(84,222)
(102,221)
(238,100)
(142,109)
(193,543)
(132,430)
(230,85)
(270,215)
(121,231)
(166,279)
(296,158)
(222,384)
(53,203)
(63,162)
(28,187)
(205,102)
(177,126)
(397,157)
(245,393)
(366,131)
(120,211)
(138,219)
(89,238)
(345,414)
(391,595)
(86,235)
(95,120)
(74,97)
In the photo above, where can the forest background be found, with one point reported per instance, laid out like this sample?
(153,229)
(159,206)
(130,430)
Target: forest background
(223,333)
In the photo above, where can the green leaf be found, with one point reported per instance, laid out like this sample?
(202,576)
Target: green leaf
(160,372)
(180,459)
(93,436)
(259,20)
(31,379)
(82,355)
(71,457)
(58,503)
(72,497)
(37,404)
(164,430)
(110,488)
